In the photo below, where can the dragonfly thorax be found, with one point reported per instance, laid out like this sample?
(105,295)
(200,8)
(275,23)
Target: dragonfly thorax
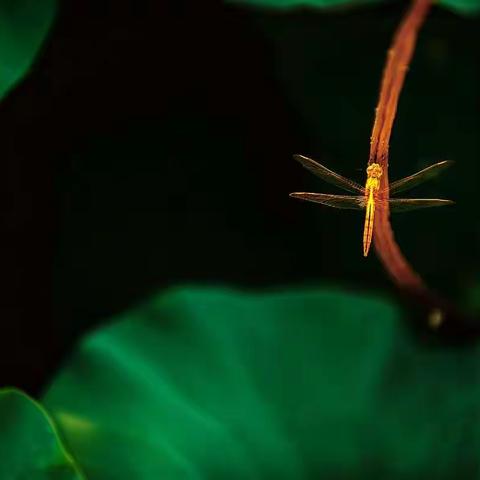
(374,170)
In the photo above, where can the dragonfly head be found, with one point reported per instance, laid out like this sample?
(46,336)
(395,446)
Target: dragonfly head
(374,170)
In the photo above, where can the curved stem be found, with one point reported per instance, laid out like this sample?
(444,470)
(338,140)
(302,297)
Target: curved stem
(399,57)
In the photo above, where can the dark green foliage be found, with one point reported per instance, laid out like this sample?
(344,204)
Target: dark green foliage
(462,6)
(30,448)
(205,383)
(23,27)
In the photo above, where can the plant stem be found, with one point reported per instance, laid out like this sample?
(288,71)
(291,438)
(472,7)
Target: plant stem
(402,273)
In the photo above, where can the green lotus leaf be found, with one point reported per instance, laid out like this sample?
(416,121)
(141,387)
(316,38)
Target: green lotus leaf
(24,25)
(215,383)
(30,448)
(468,7)
(461,6)
(288,4)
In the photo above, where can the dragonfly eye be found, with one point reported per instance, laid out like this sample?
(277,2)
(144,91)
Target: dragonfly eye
(374,170)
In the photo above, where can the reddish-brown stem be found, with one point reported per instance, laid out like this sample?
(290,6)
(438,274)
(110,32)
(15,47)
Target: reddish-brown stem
(399,57)
(400,270)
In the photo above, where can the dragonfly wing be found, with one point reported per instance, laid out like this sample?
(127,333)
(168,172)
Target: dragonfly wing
(419,177)
(336,201)
(407,204)
(328,175)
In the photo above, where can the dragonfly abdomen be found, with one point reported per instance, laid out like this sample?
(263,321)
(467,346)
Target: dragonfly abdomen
(368,227)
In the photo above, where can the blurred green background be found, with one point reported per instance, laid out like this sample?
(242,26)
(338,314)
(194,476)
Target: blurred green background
(150,146)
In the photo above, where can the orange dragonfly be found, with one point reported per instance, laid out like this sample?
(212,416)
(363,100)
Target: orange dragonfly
(369,196)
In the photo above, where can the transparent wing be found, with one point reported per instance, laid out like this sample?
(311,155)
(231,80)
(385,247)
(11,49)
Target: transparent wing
(407,204)
(328,175)
(419,177)
(336,201)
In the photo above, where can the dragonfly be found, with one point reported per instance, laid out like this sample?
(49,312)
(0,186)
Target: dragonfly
(369,197)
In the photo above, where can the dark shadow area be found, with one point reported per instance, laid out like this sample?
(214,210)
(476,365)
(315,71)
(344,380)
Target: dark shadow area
(151,146)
